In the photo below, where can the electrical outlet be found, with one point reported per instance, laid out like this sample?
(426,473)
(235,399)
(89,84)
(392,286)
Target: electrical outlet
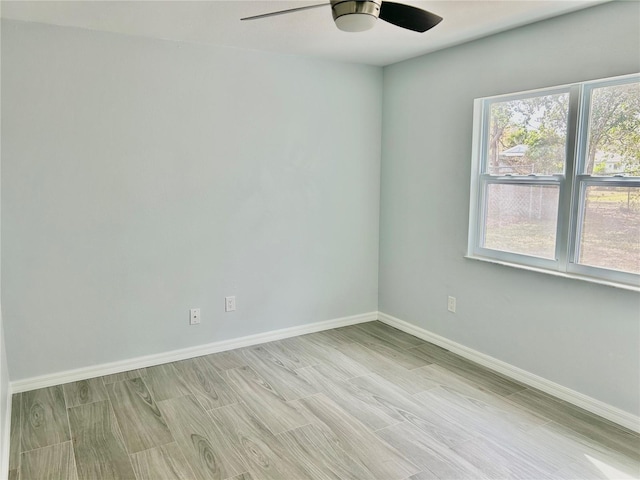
(451,304)
(194,316)
(229,304)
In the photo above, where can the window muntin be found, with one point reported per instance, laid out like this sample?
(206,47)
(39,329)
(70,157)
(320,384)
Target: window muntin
(550,143)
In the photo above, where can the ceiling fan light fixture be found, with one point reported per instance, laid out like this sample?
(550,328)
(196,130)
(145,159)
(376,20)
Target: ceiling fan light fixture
(355,22)
(355,15)
(361,15)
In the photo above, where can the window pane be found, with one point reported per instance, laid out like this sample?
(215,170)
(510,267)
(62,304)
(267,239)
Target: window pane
(522,219)
(528,136)
(611,228)
(614,131)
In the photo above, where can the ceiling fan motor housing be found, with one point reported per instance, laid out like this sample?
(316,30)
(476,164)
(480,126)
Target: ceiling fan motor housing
(355,15)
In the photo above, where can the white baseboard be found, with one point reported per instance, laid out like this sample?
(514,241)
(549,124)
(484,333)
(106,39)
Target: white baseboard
(590,404)
(182,354)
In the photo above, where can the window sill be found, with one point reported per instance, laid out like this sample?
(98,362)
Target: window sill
(555,273)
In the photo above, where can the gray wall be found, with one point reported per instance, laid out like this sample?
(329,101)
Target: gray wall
(581,335)
(5,398)
(144,177)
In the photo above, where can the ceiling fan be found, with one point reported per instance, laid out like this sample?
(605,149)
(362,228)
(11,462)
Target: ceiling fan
(361,15)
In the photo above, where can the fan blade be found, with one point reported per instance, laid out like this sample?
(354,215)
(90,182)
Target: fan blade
(408,17)
(282,12)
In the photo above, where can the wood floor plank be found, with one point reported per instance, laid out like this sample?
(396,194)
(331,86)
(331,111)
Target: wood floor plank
(579,452)
(434,457)
(97,443)
(363,446)
(84,391)
(332,338)
(243,476)
(400,355)
(541,456)
(357,402)
(483,377)
(55,462)
(15,434)
(404,358)
(342,365)
(293,353)
(204,381)
(470,395)
(346,335)
(413,381)
(266,455)
(222,361)
(165,382)
(580,421)
(269,406)
(425,475)
(205,443)
(593,470)
(285,381)
(436,423)
(138,416)
(324,459)
(118,377)
(140,420)
(500,460)
(390,334)
(44,418)
(473,416)
(161,463)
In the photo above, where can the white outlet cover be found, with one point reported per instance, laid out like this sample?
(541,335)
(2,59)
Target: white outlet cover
(451,304)
(194,316)
(229,304)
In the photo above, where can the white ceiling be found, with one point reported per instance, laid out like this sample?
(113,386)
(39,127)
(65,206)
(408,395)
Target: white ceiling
(310,32)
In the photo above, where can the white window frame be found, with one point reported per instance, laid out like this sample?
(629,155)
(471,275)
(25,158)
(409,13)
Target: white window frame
(572,184)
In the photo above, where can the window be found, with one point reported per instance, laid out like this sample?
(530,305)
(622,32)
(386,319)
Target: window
(556,180)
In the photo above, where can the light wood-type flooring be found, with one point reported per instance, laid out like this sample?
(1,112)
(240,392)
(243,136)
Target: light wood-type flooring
(359,402)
